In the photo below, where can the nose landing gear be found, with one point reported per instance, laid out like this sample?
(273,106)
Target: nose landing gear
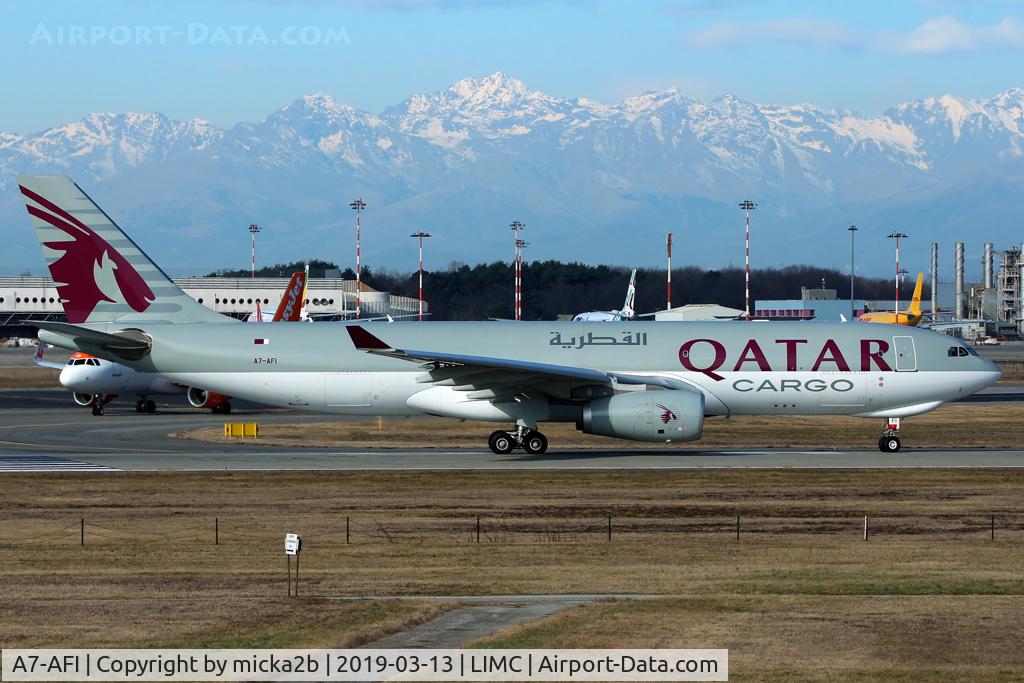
(530,440)
(890,441)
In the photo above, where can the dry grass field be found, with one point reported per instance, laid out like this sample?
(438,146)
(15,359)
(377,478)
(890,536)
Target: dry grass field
(991,425)
(800,595)
(29,378)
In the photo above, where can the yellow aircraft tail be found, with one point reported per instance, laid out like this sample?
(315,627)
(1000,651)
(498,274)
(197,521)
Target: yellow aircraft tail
(915,302)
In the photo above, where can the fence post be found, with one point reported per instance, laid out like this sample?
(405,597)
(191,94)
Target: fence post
(81,532)
(478,528)
(993,527)
(865,527)
(609,528)
(737,527)
(216,530)
(346,531)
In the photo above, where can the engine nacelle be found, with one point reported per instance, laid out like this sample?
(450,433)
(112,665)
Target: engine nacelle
(84,399)
(672,415)
(201,398)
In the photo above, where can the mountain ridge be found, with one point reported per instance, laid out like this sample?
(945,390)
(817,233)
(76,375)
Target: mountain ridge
(464,160)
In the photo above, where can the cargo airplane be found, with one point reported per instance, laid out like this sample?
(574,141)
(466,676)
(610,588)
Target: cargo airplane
(640,381)
(911,317)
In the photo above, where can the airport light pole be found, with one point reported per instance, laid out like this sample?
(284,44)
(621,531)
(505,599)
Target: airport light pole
(747,206)
(517,226)
(897,236)
(668,284)
(420,235)
(253,229)
(358,205)
(853,231)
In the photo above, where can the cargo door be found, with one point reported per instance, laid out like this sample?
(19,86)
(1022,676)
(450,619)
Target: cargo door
(906,354)
(348,389)
(841,390)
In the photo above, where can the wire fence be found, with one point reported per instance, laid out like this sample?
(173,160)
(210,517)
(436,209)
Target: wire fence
(509,528)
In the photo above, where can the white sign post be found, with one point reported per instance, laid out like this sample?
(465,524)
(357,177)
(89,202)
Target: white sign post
(292,546)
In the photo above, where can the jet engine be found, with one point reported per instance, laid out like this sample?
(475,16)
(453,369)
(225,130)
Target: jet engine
(201,398)
(671,415)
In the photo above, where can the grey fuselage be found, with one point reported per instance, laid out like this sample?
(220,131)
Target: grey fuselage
(742,368)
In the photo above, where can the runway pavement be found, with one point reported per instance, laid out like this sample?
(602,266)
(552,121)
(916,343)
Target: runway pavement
(44,431)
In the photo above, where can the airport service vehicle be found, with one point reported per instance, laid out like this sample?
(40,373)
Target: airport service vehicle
(95,382)
(911,317)
(639,381)
(627,312)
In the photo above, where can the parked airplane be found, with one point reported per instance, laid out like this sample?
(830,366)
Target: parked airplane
(95,382)
(912,316)
(627,312)
(645,382)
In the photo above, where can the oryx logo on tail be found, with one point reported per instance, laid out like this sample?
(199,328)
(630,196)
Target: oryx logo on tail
(89,269)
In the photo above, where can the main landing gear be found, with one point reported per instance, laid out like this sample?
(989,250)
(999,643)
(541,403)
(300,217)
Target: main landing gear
(890,441)
(144,405)
(530,440)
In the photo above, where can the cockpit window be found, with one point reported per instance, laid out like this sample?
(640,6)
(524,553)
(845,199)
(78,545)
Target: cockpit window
(92,361)
(963,351)
(951,352)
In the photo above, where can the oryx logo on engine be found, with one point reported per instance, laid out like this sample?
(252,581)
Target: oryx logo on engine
(667,415)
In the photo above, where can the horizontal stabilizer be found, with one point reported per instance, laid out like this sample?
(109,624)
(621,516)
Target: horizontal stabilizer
(102,344)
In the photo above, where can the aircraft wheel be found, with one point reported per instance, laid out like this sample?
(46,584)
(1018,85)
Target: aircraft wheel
(492,437)
(889,444)
(225,407)
(501,443)
(97,410)
(139,406)
(150,406)
(535,443)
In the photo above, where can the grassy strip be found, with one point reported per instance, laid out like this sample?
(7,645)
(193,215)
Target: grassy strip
(965,425)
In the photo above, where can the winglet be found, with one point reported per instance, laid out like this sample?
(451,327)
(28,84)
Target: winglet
(364,341)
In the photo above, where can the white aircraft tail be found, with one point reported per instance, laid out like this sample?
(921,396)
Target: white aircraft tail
(628,311)
(100,273)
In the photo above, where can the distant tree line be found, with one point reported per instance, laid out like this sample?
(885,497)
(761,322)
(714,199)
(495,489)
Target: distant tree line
(552,288)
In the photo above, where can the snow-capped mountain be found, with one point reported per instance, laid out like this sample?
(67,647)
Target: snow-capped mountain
(600,182)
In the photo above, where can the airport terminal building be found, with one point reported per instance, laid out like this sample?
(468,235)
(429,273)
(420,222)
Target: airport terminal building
(23,298)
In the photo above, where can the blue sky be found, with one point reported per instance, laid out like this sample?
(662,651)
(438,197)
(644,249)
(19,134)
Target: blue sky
(218,59)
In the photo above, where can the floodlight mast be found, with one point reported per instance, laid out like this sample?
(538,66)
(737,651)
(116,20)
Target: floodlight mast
(897,236)
(747,206)
(358,205)
(253,229)
(518,226)
(853,231)
(421,235)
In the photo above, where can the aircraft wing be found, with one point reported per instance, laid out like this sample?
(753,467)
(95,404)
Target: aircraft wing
(489,374)
(77,338)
